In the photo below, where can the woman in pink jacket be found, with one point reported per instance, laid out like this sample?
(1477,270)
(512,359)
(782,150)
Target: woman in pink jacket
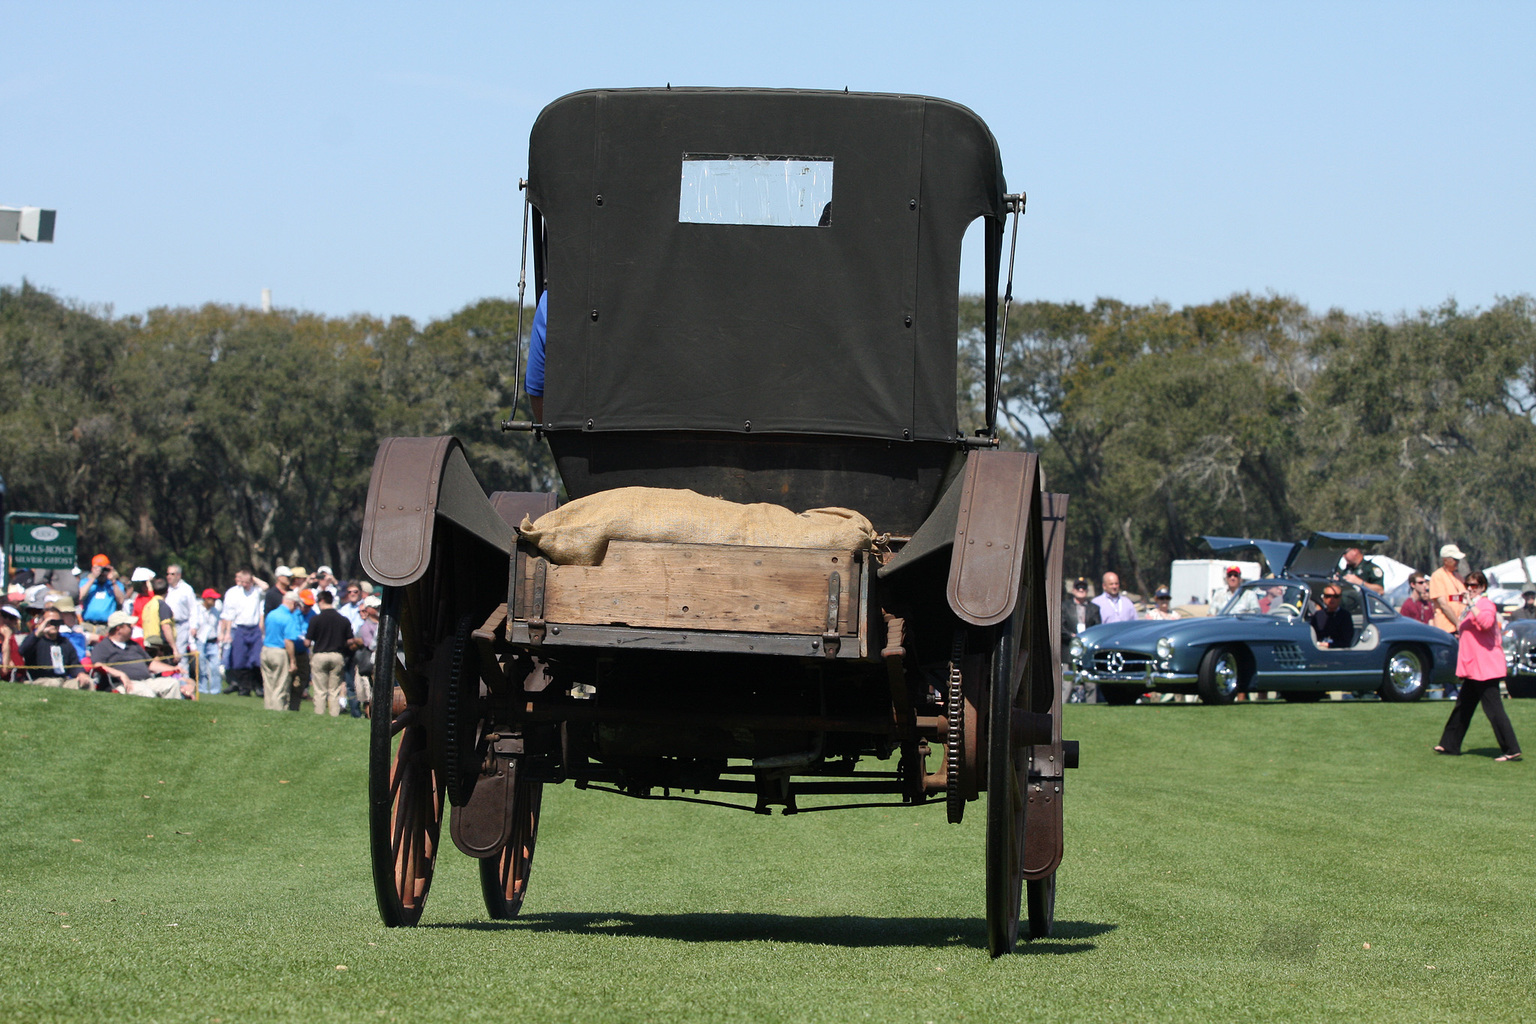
(1480,667)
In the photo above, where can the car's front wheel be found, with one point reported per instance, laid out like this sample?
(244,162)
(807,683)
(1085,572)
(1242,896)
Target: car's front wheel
(1405,677)
(1220,678)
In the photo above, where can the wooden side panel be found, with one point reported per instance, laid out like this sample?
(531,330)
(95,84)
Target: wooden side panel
(703,586)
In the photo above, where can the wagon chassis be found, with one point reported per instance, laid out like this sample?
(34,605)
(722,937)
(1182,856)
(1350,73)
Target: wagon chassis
(669,670)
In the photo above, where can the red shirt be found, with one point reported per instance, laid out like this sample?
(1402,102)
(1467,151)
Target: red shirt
(1419,611)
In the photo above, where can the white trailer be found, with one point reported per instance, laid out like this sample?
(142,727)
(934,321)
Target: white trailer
(1193,580)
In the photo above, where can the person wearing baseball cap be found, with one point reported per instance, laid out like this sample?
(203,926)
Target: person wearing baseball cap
(204,638)
(139,581)
(53,660)
(282,582)
(1448,596)
(1447,588)
(283,633)
(1160,610)
(10,647)
(1248,604)
(69,624)
(1528,609)
(1077,614)
(101,593)
(128,668)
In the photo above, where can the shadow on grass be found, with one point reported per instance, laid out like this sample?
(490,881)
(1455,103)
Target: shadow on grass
(853,931)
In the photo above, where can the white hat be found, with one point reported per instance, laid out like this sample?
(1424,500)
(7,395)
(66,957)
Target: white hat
(119,619)
(1452,551)
(324,570)
(282,570)
(371,601)
(143,574)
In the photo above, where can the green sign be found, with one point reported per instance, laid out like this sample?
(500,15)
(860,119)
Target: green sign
(38,540)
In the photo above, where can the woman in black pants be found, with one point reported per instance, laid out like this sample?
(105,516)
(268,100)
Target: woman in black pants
(1480,667)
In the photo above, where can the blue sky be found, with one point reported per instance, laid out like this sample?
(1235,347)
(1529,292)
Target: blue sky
(364,158)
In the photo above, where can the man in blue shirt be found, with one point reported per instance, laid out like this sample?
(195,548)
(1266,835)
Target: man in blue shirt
(283,631)
(533,383)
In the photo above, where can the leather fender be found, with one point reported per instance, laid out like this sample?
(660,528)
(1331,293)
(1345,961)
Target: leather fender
(998,493)
(415,480)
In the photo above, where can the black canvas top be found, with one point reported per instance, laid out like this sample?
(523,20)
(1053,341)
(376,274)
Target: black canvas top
(844,325)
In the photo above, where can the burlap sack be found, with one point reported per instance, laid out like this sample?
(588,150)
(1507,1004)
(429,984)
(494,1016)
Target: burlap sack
(578,533)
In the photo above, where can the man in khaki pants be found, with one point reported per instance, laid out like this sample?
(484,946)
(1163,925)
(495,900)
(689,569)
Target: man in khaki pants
(330,637)
(284,631)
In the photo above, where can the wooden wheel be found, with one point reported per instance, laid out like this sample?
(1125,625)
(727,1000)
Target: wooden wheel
(504,877)
(405,798)
(1007,779)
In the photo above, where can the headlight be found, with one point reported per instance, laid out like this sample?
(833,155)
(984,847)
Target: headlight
(1075,650)
(1164,648)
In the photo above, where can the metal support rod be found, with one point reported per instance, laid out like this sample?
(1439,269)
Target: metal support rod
(1016,203)
(522,284)
(586,711)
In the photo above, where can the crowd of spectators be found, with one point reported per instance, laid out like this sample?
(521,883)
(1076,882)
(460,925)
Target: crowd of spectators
(303,634)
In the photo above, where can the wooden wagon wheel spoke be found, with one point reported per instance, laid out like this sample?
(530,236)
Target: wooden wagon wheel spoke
(504,877)
(404,805)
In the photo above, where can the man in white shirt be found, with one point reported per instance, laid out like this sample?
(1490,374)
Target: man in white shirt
(183,601)
(350,605)
(240,627)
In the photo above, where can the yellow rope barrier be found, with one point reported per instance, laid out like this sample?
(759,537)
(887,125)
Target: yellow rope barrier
(193,676)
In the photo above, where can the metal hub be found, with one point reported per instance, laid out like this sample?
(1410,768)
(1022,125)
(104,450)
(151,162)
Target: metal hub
(1404,671)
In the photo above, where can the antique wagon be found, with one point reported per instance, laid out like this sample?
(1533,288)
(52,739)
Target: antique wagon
(714,325)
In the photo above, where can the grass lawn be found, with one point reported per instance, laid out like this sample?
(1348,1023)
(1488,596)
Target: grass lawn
(207,862)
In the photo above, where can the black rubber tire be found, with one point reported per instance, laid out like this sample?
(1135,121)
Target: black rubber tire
(1120,693)
(1303,696)
(1007,779)
(1405,677)
(504,878)
(1220,677)
(405,801)
(1040,895)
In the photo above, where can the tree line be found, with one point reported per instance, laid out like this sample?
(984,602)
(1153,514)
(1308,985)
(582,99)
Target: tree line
(221,435)
(1256,417)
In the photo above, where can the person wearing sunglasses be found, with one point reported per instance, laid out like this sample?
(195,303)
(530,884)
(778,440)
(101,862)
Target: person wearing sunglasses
(1419,607)
(1480,669)
(1332,625)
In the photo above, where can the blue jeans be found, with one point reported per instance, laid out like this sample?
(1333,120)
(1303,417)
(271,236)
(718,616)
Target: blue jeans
(210,667)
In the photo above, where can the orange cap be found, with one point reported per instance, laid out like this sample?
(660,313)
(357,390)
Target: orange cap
(99,560)
(307,596)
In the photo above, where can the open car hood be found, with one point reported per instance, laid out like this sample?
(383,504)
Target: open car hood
(1317,555)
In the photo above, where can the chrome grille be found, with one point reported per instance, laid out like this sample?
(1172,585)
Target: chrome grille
(1121,662)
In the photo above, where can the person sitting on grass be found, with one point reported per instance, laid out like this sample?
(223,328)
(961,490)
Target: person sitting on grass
(51,657)
(129,668)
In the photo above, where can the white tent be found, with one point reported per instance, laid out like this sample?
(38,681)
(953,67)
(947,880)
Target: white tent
(1507,579)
